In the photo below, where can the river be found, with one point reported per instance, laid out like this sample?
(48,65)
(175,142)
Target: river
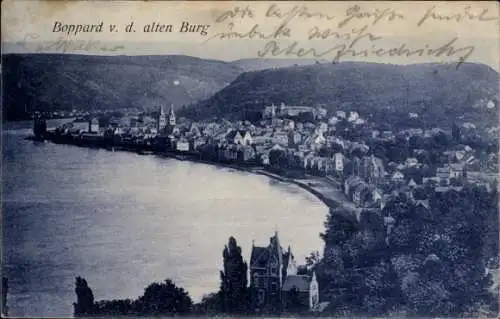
(123,220)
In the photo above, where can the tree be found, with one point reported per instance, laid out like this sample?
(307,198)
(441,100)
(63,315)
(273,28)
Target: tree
(165,299)
(210,305)
(380,290)
(425,298)
(158,299)
(455,236)
(116,307)
(338,228)
(440,141)
(278,158)
(84,305)
(312,259)
(234,291)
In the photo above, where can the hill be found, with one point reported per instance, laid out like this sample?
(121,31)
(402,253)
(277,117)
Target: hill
(438,92)
(262,64)
(67,81)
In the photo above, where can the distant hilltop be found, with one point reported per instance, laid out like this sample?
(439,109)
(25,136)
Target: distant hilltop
(52,82)
(55,82)
(207,88)
(440,93)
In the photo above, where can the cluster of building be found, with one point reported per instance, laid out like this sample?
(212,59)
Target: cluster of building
(76,113)
(307,139)
(314,142)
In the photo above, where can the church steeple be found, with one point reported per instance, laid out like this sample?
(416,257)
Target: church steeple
(171,116)
(162,120)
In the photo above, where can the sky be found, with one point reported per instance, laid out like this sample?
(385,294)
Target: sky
(470,26)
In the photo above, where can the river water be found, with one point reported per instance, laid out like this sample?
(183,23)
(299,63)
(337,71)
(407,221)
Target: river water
(123,220)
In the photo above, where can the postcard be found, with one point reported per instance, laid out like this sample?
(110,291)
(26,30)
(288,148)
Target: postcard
(250,158)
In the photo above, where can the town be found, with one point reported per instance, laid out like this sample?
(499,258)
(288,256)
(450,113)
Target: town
(341,151)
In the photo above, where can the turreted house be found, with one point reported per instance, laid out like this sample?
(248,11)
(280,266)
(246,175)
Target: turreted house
(273,278)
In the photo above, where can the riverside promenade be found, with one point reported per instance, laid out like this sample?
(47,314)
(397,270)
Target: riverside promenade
(326,189)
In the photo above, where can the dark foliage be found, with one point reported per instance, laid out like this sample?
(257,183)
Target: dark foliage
(50,82)
(84,305)
(293,302)
(279,158)
(234,292)
(233,297)
(434,262)
(210,305)
(164,299)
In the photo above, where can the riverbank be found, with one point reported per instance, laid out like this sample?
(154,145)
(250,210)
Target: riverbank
(323,188)
(318,186)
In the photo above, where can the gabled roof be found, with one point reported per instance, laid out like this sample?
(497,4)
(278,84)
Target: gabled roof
(233,133)
(422,202)
(260,255)
(412,182)
(275,244)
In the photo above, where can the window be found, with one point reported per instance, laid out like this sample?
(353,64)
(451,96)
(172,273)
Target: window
(262,296)
(274,266)
(262,282)
(256,279)
(274,287)
(274,269)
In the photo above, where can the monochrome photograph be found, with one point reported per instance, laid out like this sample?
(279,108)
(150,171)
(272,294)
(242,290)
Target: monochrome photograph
(191,183)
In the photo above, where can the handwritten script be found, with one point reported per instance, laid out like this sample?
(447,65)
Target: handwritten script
(63,44)
(351,33)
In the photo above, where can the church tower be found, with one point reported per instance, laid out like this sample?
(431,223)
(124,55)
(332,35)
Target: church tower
(162,120)
(171,116)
